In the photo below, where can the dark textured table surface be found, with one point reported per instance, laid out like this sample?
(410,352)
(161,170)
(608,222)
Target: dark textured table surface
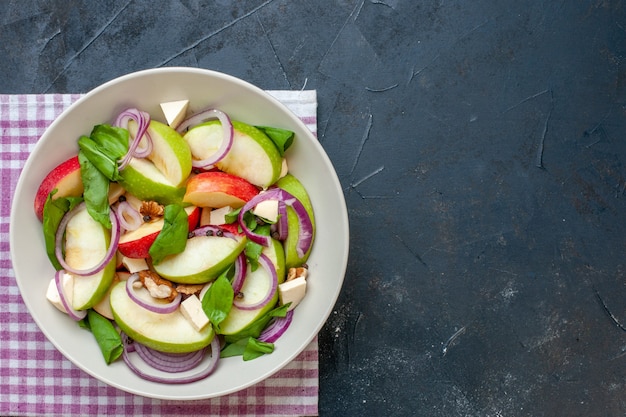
(481,146)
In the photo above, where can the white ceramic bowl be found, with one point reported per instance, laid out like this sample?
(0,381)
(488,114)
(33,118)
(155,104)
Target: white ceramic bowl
(243,101)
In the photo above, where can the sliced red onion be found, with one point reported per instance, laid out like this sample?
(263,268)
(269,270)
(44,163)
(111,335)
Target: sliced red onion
(111,250)
(241,267)
(172,378)
(130,219)
(227,139)
(154,305)
(265,262)
(305,232)
(276,328)
(143,122)
(211,230)
(74,314)
(169,362)
(281,224)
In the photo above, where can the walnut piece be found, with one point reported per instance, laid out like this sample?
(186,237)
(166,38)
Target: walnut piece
(157,286)
(189,289)
(151,210)
(294,273)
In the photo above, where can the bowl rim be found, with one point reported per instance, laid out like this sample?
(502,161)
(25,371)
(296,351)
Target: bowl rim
(342,220)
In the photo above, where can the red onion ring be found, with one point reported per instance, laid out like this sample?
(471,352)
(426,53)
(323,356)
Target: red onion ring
(126,211)
(265,262)
(240,272)
(173,379)
(227,139)
(276,328)
(74,314)
(169,362)
(155,306)
(143,122)
(111,250)
(281,224)
(305,232)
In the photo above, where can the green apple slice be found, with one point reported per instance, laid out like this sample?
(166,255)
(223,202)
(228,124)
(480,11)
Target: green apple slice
(204,258)
(85,246)
(162,175)
(256,282)
(164,332)
(253,156)
(294,187)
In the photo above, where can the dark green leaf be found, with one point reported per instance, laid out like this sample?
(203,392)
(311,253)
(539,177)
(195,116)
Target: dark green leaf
(96,191)
(107,337)
(103,162)
(53,212)
(248,347)
(218,300)
(232,216)
(112,140)
(84,324)
(172,238)
(250,220)
(256,348)
(282,138)
(253,250)
(234,349)
(104,147)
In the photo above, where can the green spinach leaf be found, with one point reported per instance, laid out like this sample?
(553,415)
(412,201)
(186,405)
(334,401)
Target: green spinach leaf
(104,147)
(96,191)
(248,347)
(53,212)
(282,138)
(107,337)
(172,238)
(253,250)
(218,300)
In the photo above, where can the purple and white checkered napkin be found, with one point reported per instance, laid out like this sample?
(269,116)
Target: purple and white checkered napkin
(35,379)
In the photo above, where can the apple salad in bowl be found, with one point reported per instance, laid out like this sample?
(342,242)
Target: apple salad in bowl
(180,234)
(178,243)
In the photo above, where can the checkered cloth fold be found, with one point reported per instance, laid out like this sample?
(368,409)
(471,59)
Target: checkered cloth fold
(35,379)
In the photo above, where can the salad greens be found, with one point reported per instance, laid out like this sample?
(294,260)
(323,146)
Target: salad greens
(248,347)
(173,237)
(54,210)
(218,300)
(98,156)
(96,192)
(106,335)
(282,138)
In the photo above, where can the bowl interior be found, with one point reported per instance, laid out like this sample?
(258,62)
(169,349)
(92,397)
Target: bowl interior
(145,90)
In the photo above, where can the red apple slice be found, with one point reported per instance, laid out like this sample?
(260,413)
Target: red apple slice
(218,189)
(136,243)
(65,177)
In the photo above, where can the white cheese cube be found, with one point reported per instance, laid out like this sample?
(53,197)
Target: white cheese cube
(134,264)
(292,291)
(218,216)
(267,209)
(52,294)
(175,112)
(191,309)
